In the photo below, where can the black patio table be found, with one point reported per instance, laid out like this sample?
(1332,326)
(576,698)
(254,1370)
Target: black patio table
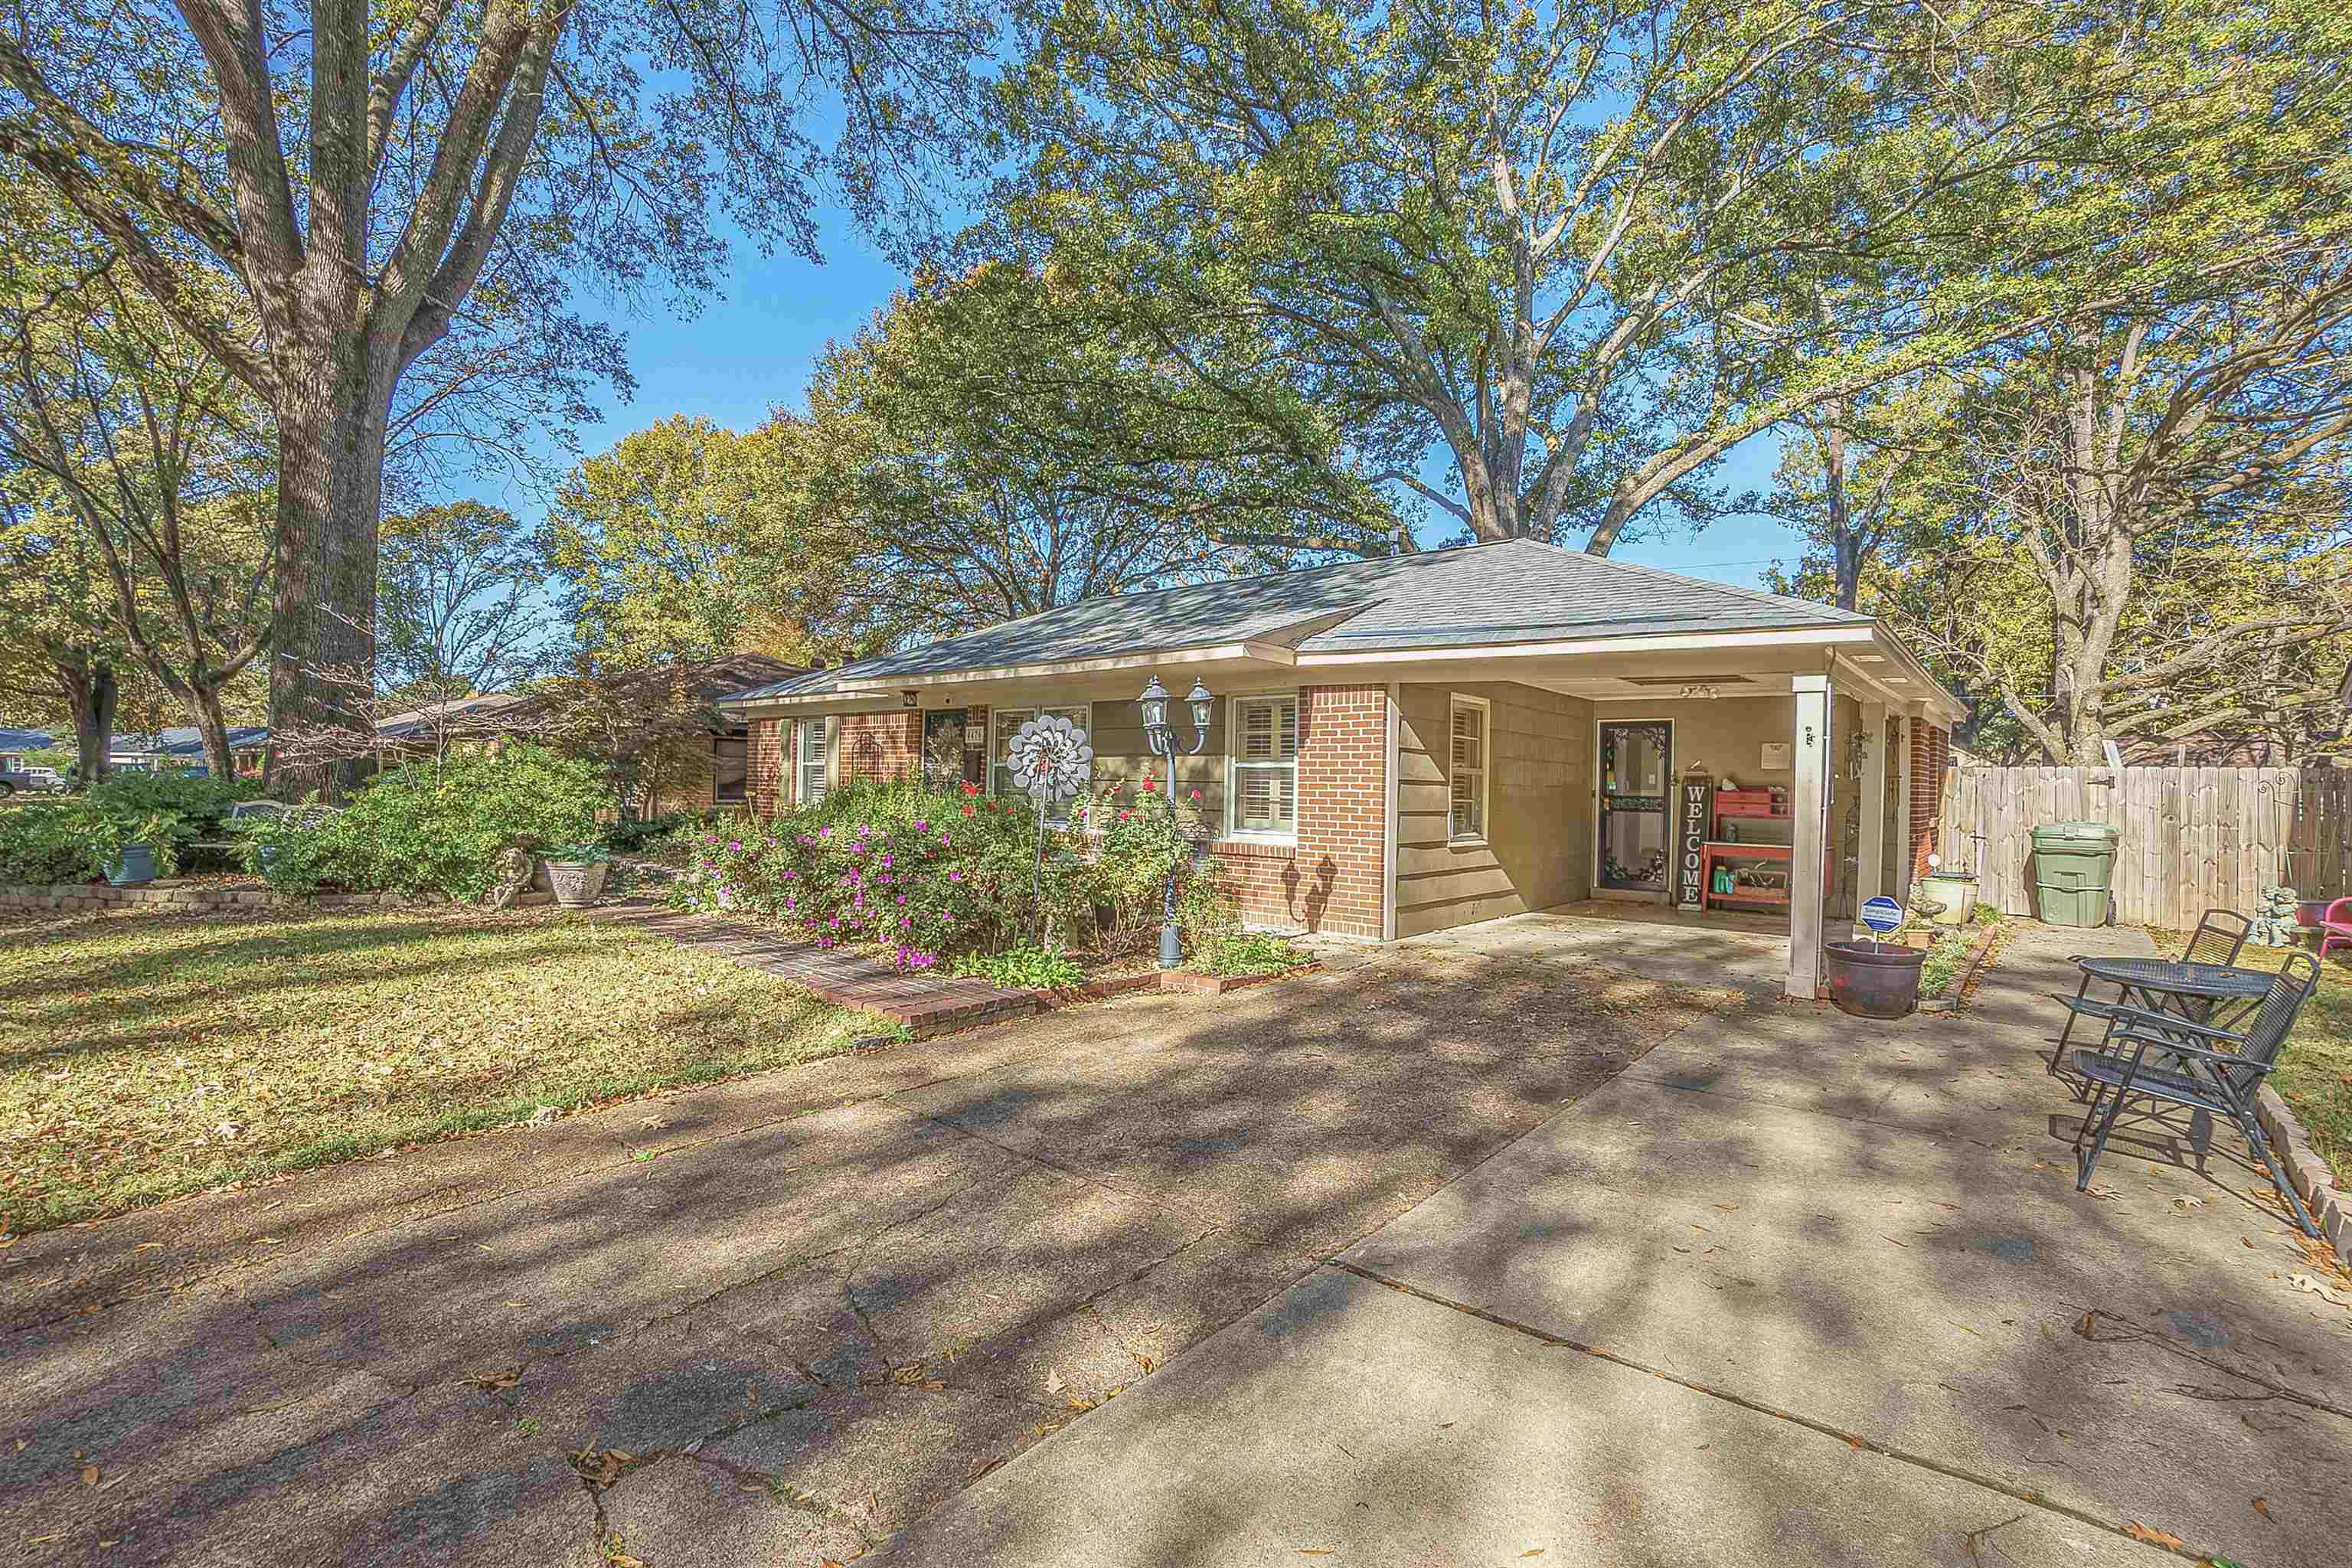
(2153,982)
(2157,978)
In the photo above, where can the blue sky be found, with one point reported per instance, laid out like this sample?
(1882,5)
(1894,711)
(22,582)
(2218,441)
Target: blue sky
(755,346)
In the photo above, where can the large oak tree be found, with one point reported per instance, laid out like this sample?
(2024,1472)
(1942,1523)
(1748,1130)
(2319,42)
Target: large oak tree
(363,172)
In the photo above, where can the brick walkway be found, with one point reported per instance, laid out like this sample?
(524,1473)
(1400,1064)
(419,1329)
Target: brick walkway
(927,1003)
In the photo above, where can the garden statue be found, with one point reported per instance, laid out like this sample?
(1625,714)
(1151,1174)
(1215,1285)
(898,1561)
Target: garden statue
(2275,922)
(515,871)
(1050,759)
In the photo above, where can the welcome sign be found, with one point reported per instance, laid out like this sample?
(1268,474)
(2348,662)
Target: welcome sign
(1695,813)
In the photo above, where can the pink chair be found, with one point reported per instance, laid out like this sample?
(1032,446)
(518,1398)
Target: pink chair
(2336,926)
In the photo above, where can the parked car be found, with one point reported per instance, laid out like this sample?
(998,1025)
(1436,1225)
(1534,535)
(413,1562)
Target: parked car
(30,781)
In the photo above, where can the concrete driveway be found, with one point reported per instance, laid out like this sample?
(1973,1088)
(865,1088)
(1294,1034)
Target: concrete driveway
(1793,1288)
(773,1321)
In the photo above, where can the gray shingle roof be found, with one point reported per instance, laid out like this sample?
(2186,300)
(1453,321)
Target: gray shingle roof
(1508,591)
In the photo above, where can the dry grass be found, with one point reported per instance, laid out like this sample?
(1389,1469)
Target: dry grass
(144,1057)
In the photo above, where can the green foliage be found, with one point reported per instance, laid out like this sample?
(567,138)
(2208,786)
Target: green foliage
(577,855)
(633,835)
(1143,839)
(1011,440)
(1246,953)
(423,829)
(1024,969)
(684,540)
(74,838)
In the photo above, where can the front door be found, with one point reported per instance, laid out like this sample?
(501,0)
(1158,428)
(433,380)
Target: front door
(946,760)
(1636,782)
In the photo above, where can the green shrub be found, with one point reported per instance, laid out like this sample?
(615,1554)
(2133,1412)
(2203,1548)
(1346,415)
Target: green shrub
(1246,953)
(423,828)
(1024,969)
(75,839)
(632,836)
(41,843)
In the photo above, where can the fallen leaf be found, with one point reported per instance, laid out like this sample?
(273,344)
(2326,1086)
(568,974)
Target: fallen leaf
(89,1475)
(145,1244)
(2088,1321)
(2262,1507)
(1533,1552)
(2331,1296)
(2249,1241)
(52,1279)
(518,1303)
(1963,1328)
(1728,1208)
(2139,1531)
(489,1380)
(1053,1383)
(980,1467)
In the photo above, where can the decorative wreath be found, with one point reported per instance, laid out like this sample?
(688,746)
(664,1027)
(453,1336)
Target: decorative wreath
(1050,757)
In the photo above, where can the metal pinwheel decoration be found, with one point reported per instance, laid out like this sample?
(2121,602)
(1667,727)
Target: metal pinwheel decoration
(1050,759)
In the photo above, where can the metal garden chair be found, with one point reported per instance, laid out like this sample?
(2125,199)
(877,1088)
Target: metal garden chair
(2208,1072)
(2219,936)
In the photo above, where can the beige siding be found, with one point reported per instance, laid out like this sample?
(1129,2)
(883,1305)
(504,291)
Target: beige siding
(1537,851)
(1120,754)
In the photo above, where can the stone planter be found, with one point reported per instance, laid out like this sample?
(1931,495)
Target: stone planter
(576,883)
(1954,894)
(136,868)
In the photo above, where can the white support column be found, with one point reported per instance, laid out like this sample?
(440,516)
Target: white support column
(1869,810)
(1903,810)
(1809,830)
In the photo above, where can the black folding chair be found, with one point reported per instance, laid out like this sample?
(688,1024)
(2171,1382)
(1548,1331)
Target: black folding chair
(2216,1072)
(2219,936)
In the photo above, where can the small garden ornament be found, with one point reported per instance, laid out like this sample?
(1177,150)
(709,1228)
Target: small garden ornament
(2275,923)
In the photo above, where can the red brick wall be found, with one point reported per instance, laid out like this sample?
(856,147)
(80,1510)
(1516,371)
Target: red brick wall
(1331,879)
(878,747)
(764,771)
(1931,749)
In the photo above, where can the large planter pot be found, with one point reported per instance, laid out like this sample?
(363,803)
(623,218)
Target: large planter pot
(576,883)
(1872,982)
(1954,894)
(136,867)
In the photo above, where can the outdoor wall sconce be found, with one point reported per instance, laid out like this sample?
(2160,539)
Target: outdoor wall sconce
(1160,736)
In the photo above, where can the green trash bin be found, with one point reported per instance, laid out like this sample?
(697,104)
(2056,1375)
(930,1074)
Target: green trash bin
(2073,866)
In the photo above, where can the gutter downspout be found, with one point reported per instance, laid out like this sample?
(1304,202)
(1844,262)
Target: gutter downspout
(1389,828)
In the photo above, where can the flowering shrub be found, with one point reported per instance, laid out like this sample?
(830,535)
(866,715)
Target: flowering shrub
(1141,838)
(918,873)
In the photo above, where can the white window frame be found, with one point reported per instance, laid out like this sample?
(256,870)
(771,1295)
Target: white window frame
(1485,772)
(821,731)
(1002,721)
(1235,767)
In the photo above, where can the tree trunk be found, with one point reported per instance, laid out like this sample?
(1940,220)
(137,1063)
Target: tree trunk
(92,689)
(330,493)
(212,725)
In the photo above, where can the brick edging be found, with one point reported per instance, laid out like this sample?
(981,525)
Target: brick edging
(2312,1178)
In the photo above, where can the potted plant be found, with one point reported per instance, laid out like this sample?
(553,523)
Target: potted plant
(576,873)
(132,849)
(1948,896)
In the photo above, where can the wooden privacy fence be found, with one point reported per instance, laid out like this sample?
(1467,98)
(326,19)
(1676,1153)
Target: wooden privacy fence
(2193,838)
(2319,856)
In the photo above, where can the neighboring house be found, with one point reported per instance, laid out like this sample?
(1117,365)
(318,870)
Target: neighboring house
(248,747)
(715,763)
(1403,745)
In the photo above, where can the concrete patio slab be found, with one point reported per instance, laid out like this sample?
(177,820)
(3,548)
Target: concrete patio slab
(1348,1423)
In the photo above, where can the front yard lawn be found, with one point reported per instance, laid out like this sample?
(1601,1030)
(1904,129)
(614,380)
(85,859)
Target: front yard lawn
(144,1057)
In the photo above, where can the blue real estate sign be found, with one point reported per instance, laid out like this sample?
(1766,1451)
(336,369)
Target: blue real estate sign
(1881,914)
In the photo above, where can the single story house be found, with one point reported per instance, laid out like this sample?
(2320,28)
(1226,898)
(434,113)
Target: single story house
(1402,745)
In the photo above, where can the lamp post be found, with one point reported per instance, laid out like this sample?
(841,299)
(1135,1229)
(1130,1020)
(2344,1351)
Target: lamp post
(1160,736)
